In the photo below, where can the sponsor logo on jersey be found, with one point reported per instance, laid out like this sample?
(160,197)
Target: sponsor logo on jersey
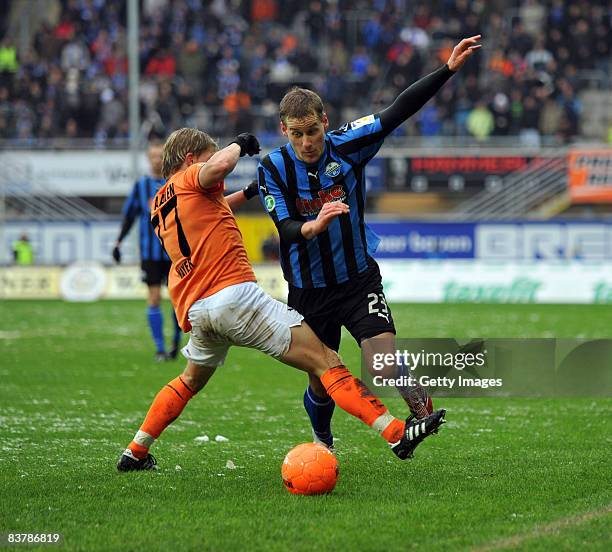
(367,120)
(307,207)
(333,169)
(270,203)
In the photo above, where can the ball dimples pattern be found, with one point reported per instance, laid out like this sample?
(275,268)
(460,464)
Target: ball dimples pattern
(310,469)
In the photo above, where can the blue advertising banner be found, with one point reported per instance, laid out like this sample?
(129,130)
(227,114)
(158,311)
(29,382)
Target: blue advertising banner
(495,241)
(422,240)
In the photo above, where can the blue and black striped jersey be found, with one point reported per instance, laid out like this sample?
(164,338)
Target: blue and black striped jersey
(138,205)
(290,188)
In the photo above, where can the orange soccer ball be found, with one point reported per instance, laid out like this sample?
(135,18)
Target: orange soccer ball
(310,469)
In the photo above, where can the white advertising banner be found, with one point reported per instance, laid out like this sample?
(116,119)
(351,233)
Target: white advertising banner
(90,281)
(473,281)
(427,281)
(89,172)
(82,173)
(543,241)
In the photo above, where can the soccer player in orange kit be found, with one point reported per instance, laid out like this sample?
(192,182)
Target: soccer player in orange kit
(215,295)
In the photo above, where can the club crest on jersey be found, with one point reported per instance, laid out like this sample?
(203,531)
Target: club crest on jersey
(270,203)
(307,207)
(333,169)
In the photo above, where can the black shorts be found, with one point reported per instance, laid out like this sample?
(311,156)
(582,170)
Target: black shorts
(359,305)
(155,273)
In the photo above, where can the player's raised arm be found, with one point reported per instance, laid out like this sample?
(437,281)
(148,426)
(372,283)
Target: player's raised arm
(418,94)
(238,199)
(222,162)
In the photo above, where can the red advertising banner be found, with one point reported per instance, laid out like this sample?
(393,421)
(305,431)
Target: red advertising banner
(453,173)
(589,174)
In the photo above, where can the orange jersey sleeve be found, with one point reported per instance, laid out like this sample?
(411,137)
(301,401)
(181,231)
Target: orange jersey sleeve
(199,232)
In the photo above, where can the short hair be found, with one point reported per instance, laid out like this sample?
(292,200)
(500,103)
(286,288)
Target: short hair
(179,144)
(299,103)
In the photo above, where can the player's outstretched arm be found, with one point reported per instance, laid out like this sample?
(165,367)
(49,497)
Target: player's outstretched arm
(223,162)
(418,94)
(238,199)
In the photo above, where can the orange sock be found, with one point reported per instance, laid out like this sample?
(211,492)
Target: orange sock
(352,395)
(167,406)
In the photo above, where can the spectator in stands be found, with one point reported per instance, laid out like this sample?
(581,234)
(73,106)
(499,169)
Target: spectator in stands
(480,122)
(532,14)
(237,105)
(529,134)
(429,120)
(360,63)
(162,64)
(500,108)
(191,64)
(550,117)
(23,252)
(8,57)
(570,105)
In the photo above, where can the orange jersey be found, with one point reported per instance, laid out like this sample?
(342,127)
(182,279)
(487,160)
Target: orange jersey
(199,232)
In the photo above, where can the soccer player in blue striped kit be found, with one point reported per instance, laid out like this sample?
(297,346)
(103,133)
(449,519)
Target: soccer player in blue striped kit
(314,190)
(154,262)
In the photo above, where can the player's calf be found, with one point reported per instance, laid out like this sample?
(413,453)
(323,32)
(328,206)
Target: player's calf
(166,407)
(383,345)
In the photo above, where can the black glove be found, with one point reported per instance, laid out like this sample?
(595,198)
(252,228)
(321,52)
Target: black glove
(248,144)
(117,254)
(251,190)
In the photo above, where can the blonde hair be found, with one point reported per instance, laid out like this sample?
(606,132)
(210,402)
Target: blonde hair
(179,144)
(299,103)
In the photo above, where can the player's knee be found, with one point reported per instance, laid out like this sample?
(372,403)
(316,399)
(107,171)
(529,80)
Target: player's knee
(154,298)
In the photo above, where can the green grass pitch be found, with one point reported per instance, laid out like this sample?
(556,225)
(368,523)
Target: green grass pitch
(77,379)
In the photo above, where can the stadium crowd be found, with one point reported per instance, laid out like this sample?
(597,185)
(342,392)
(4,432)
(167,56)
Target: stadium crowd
(224,64)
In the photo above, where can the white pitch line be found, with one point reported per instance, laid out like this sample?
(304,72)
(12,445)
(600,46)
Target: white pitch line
(541,530)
